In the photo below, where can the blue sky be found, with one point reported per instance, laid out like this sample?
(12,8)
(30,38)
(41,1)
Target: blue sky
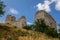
(29,8)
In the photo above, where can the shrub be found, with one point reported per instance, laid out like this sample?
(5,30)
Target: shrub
(40,26)
(15,26)
(51,32)
(28,27)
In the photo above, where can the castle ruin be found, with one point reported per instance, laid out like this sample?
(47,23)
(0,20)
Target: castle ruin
(21,22)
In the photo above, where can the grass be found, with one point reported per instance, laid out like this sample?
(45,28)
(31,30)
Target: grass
(21,34)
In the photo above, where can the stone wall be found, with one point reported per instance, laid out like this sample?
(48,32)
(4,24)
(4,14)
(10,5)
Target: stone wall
(12,20)
(21,22)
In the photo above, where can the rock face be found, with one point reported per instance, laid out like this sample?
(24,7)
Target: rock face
(12,20)
(47,18)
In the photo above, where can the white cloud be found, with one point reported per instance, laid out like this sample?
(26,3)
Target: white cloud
(57,7)
(58,27)
(53,1)
(13,11)
(29,23)
(46,5)
(40,6)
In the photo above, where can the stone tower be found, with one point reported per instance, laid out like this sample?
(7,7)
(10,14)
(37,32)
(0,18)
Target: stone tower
(21,22)
(10,19)
(47,18)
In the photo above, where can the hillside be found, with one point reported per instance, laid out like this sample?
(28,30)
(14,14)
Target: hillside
(10,32)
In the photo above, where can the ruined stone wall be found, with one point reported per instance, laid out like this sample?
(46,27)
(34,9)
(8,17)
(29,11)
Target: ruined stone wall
(21,22)
(10,19)
(18,23)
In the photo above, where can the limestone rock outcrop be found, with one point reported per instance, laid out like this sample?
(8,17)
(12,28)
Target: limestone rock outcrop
(47,18)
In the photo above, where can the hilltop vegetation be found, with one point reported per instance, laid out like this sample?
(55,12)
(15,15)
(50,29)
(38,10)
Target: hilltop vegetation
(40,26)
(10,32)
(39,32)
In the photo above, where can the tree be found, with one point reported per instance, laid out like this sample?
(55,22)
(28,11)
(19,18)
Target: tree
(2,6)
(28,27)
(40,25)
(51,32)
(58,30)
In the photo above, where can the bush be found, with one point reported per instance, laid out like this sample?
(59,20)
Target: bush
(15,26)
(28,27)
(40,26)
(51,32)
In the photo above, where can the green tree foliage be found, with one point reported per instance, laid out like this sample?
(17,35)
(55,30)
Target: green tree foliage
(58,30)
(40,26)
(51,32)
(2,6)
(59,27)
(28,27)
